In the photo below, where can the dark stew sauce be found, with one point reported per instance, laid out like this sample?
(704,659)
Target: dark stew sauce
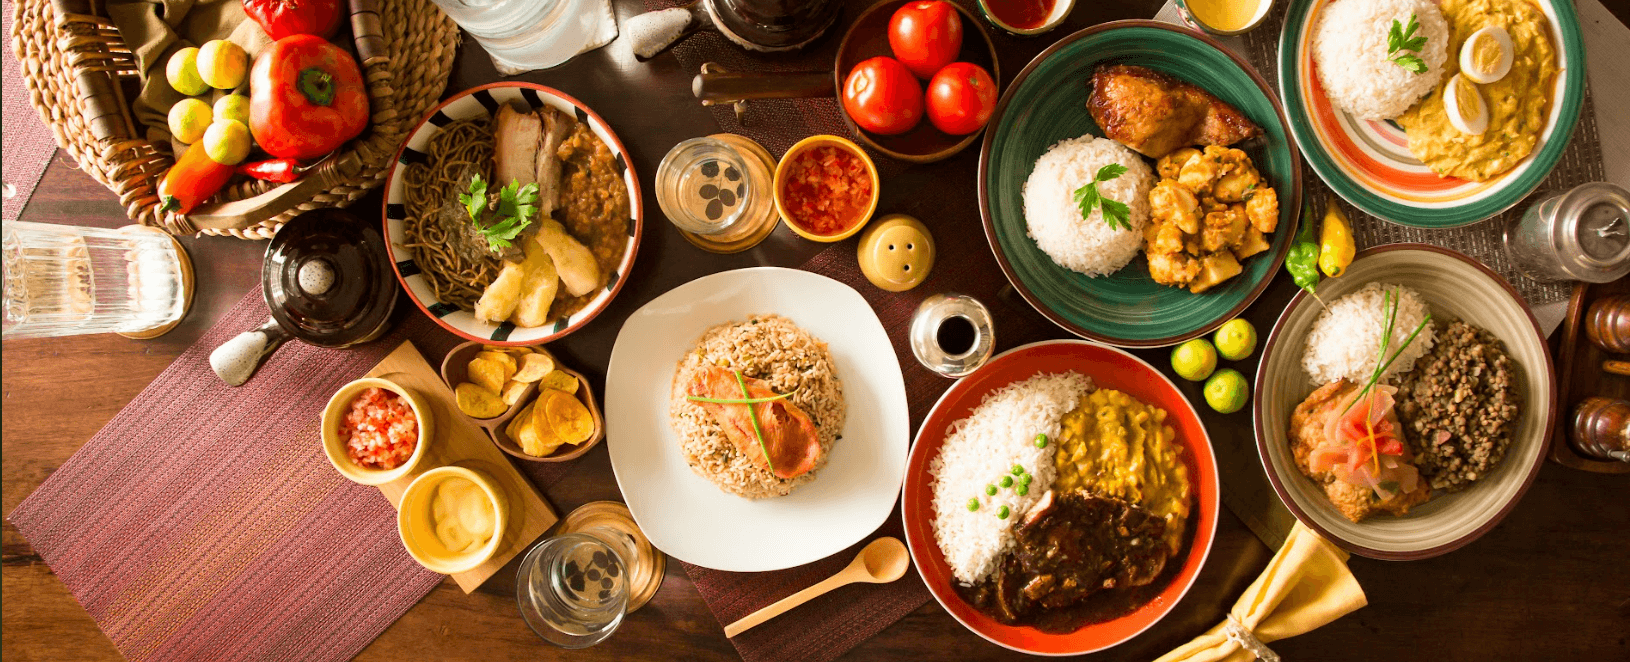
(1093,540)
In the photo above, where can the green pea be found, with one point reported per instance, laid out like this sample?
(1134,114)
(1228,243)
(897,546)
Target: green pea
(1025,480)
(1022,489)
(1041,440)
(1001,513)
(1006,481)
(1018,469)
(990,490)
(973,504)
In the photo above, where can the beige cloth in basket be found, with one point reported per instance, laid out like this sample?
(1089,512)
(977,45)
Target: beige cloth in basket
(156,29)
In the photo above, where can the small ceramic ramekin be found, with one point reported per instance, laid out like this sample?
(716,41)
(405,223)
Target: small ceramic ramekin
(417,525)
(1194,21)
(334,447)
(781,171)
(1061,11)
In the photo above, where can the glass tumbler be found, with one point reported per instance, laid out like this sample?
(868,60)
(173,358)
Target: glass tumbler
(573,590)
(63,280)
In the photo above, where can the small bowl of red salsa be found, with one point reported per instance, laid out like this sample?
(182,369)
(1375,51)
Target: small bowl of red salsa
(1026,17)
(375,431)
(826,188)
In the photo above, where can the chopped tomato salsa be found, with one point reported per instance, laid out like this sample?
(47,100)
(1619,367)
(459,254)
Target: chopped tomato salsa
(380,430)
(827,190)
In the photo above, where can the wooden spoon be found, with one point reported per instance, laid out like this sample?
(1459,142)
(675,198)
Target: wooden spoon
(880,562)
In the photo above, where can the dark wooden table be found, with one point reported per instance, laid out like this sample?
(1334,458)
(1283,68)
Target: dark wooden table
(1548,583)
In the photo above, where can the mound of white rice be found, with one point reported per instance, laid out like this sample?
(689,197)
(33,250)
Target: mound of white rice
(983,447)
(1346,340)
(1350,51)
(1053,218)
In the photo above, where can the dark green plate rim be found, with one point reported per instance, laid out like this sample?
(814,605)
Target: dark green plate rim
(990,224)
(1506,197)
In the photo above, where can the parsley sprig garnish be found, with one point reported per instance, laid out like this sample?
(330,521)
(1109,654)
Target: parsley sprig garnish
(516,206)
(1400,40)
(1087,198)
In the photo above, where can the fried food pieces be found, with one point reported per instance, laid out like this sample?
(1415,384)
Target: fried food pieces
(1210,210)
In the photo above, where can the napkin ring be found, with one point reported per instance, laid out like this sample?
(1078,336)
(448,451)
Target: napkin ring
(1239,634)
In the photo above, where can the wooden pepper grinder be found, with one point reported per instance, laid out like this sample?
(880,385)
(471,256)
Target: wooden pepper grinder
(1601,428)
(1607,323)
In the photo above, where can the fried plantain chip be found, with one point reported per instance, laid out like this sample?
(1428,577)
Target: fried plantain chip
(513,391)
(478,402)
(559,380)
(533,367)
(505,358)
(543,438)
(569,419)
(488,375)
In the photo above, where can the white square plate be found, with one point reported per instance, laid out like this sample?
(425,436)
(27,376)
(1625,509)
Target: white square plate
(688,517)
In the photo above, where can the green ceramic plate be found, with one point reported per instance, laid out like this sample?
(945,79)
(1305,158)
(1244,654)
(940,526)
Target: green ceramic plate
(1048,103)
(1368,162)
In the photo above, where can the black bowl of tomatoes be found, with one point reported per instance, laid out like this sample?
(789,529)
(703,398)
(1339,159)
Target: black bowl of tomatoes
(917,79)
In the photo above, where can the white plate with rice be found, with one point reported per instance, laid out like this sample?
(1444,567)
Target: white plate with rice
(1451,286)
(694,520)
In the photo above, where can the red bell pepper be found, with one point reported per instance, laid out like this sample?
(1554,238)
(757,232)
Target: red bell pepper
(285,18)
(193,179)
(307,98)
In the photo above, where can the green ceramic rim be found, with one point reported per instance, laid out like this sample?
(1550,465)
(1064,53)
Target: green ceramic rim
(1509,193)
(1046,103)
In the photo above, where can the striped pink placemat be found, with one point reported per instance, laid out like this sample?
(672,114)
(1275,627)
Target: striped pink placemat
(204,522)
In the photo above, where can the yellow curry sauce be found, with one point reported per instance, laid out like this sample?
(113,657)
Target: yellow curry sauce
(1517,104)
(1115,445)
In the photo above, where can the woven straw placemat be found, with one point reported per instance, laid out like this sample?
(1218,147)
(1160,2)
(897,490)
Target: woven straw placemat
(420,40)
(204,522)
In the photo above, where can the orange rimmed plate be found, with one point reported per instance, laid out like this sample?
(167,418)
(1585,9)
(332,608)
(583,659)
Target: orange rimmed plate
(1109,368)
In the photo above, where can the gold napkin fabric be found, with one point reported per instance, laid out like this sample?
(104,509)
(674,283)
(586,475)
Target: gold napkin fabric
(1306,585)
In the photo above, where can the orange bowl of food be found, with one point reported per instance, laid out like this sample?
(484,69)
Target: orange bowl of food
(375,430)
(826,188)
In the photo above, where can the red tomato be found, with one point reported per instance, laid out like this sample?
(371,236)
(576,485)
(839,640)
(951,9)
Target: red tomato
(883,97)
(926,35)
(961,98)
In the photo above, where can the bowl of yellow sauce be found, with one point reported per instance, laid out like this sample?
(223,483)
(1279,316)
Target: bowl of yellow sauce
(452,519)
(1224,17)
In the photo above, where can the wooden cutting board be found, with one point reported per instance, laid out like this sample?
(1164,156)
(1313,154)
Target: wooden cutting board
(458,441)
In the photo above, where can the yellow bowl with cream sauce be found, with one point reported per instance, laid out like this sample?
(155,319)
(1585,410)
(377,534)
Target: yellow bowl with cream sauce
(1224,17)
(452,519)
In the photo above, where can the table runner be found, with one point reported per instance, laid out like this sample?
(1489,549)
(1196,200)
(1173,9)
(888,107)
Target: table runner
(26,143)
(205,521)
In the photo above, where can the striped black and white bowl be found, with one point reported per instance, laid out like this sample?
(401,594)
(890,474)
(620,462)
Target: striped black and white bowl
(483,101)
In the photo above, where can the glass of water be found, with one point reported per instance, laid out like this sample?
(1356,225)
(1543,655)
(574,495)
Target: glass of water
(573,590)
(63,280)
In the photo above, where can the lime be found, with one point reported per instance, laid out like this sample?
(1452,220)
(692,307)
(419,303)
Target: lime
(1227,391)
(222,64)
(1194,360)
(182,72)
(233,107)
(227,142)
(1236,339)
(189,118)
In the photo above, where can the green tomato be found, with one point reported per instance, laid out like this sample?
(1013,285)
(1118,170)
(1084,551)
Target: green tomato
(1194,360)
(1227,391)
(1236,339)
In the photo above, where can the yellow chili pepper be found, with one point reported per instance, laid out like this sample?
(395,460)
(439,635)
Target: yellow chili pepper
(1336,245)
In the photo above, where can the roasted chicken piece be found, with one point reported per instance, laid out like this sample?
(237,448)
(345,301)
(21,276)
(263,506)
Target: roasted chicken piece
(1154,113)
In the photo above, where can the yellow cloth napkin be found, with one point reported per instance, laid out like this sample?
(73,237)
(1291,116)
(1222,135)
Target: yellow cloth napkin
(1306,585)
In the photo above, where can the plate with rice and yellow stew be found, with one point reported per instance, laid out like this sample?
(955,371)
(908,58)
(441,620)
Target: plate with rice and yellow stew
(1075,471)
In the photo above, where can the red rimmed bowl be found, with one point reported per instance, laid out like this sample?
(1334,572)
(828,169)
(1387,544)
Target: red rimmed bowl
(1109,368)
(483,101)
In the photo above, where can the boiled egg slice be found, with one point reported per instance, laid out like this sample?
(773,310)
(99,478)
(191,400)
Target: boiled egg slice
(1486,55)
(1465,106)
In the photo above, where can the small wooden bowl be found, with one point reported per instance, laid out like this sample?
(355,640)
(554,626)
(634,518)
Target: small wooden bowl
(455,369)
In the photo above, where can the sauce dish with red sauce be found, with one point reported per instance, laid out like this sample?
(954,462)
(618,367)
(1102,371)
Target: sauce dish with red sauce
(826,188)
(375,430)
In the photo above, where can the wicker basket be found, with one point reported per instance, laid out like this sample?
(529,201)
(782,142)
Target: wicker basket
(73,61)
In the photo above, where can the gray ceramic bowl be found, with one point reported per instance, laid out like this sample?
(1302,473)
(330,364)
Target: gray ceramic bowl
(1454,286)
